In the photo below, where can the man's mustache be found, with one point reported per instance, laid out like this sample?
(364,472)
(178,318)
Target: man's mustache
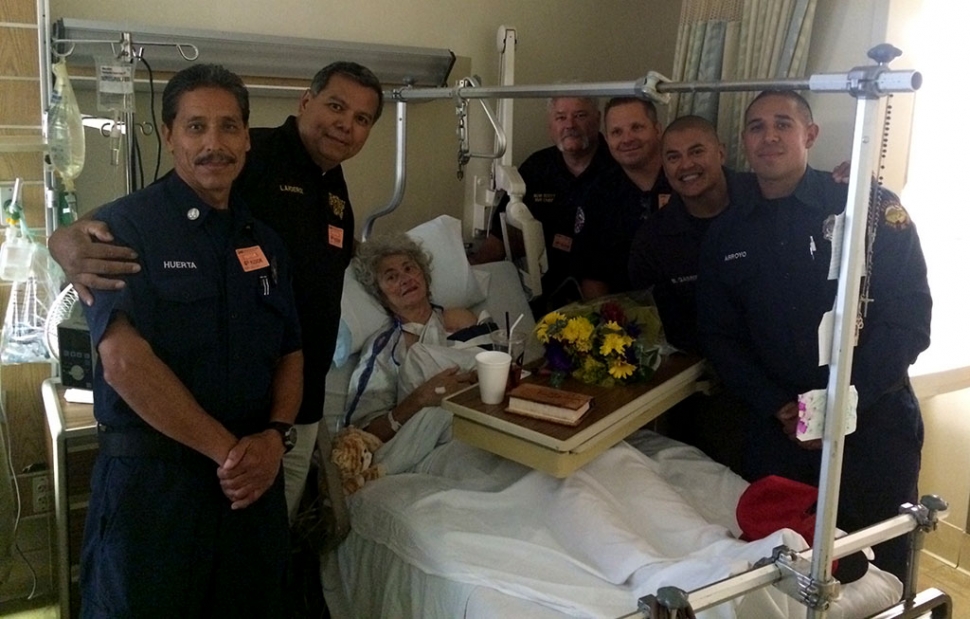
(215,158)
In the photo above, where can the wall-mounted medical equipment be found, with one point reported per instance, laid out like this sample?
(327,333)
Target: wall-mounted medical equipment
(252,55)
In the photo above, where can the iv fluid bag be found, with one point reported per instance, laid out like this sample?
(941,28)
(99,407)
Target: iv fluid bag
(65,133)
(116,85)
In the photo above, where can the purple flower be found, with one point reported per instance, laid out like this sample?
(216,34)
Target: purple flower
(633,329)
(557,357)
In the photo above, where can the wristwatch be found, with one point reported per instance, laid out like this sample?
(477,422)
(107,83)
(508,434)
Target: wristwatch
(287,433)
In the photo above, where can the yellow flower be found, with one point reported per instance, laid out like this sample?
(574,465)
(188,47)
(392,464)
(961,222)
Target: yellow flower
(542,332)
(615,342)
(590,370)
(621,369)
(579,331)
(550,319)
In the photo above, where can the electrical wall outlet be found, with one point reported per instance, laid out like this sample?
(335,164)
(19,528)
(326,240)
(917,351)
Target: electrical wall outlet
(41,491)
(6,194)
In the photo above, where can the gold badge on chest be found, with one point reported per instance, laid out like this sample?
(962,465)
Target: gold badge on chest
(337,205)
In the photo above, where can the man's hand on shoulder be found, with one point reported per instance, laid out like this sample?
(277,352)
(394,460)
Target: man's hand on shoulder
(840,174)
(85,252)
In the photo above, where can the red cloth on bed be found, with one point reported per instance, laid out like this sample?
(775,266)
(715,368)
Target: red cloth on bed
(775,502)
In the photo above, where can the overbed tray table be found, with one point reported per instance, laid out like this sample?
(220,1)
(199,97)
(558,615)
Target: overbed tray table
(558,449)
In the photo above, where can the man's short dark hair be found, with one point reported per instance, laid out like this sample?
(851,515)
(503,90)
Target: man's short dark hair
(356,72)
(692,122)
(202,76)
(648,106)
(800,102)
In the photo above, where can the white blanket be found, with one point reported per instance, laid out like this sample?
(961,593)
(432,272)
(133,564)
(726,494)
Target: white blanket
(589,545)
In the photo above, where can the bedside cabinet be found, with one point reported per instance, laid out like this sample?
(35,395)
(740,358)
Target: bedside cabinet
(72,449)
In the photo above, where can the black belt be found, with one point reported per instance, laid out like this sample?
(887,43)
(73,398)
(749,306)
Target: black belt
(139,443)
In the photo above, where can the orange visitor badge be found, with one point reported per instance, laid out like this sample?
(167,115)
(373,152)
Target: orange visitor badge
(562,242)
(252,258)
(336,236)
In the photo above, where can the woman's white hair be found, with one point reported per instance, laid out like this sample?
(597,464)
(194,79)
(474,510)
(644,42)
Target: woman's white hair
(369,255)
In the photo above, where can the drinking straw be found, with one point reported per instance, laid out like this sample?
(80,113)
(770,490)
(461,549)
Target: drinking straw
(511,329)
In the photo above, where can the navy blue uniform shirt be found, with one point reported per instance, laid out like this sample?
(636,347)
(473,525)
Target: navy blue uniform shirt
(665,255)
(614,212)
(220,329)
(554,196)
(311,212)
(764,286)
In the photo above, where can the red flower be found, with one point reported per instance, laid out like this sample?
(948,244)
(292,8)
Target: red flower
(612,311)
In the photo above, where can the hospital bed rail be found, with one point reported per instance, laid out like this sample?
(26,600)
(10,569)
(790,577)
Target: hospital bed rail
(791,572)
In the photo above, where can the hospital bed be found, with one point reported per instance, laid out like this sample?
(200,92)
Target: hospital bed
(473,534)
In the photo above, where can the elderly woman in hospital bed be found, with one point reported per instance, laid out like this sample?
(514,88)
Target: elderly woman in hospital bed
(468,533)
(425,353)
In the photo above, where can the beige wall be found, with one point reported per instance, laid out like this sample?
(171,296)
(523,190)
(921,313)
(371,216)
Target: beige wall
(844,33)
(612,40)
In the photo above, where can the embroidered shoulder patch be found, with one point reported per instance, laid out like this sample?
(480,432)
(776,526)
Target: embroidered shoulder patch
(895,215)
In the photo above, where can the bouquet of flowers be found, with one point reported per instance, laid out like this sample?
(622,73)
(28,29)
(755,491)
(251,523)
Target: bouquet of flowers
(611,341)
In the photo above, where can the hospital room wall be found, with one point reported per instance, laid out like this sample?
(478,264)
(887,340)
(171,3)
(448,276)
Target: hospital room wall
(574,40)
(843,33)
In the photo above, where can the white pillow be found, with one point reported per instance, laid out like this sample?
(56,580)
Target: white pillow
(452,285)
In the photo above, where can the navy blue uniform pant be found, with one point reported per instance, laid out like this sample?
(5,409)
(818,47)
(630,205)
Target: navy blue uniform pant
(160,540)
(880,467)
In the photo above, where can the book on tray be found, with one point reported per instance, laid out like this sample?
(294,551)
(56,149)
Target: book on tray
(549,403)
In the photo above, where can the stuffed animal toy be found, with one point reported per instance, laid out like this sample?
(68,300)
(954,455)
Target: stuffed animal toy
(353,453)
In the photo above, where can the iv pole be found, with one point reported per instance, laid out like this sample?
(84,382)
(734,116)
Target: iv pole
(125,50)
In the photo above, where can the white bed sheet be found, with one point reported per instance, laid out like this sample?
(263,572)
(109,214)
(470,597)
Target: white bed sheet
(474,535)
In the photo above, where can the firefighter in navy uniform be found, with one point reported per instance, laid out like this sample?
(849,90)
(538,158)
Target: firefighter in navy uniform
(558,180)
(197,384)
(294,182)
(763,289)
(664,259)
(623,198)
(556,198)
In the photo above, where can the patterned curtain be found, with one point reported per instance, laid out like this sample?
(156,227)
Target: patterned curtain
(735,40)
